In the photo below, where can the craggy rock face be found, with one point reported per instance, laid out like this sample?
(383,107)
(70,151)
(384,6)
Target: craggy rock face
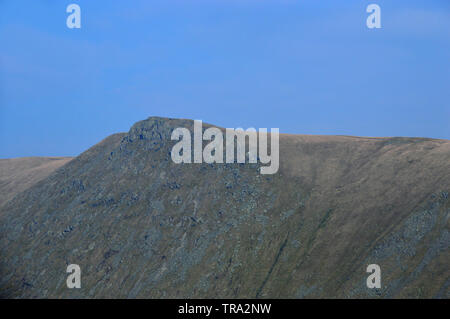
(142,226)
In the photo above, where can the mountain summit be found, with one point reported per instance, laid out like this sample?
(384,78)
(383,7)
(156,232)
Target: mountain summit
(139,225)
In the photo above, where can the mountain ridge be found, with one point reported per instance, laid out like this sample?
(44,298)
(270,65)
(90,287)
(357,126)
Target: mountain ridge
(18,174)
(142,226)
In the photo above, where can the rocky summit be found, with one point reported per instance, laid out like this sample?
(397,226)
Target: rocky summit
(141,226)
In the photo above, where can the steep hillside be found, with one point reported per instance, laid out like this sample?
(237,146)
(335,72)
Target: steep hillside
(142,226)
(18,174)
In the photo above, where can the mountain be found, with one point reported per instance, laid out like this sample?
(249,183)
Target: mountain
(18,174)
(141,226)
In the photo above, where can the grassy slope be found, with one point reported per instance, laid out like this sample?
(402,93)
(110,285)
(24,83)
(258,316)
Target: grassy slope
(18,174)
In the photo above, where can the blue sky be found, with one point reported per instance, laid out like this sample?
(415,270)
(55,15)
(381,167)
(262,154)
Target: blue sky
(305,66)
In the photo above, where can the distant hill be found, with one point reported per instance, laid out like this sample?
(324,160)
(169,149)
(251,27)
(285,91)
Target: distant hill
(141,226)
(18,174)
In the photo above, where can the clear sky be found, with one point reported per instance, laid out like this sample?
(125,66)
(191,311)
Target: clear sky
(304,66)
